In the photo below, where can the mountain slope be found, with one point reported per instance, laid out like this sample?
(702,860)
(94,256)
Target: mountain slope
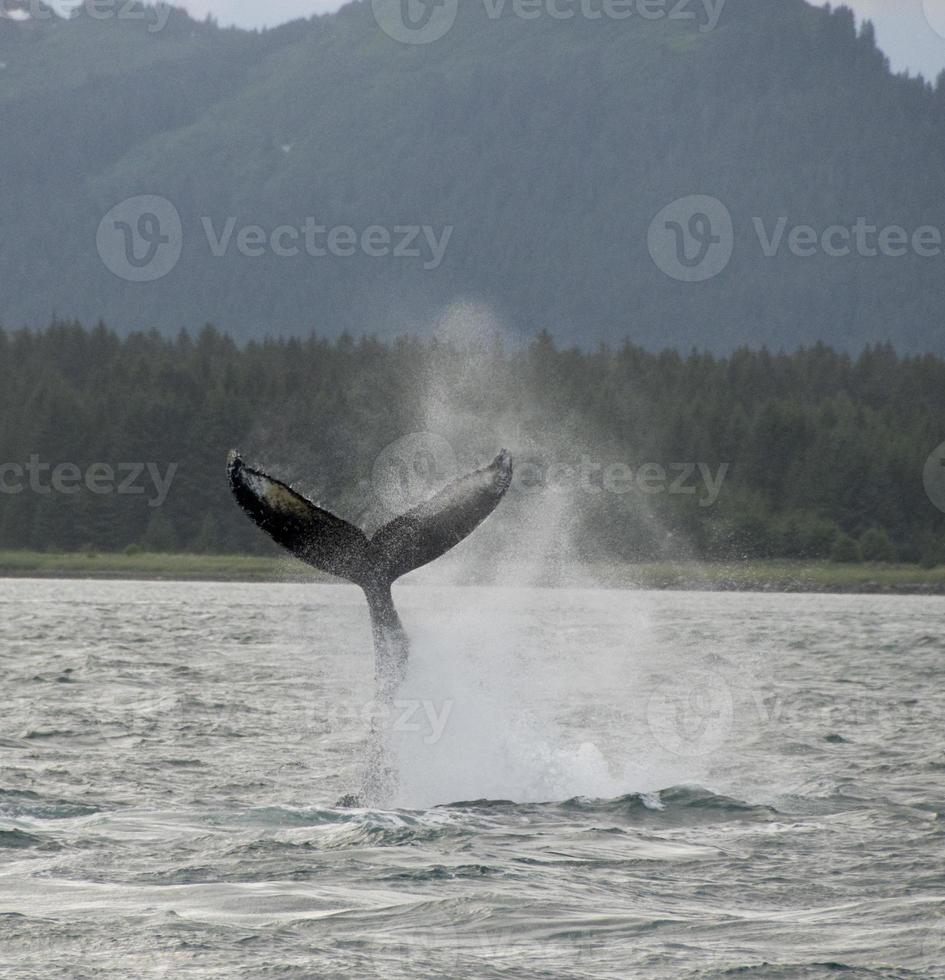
(536,153)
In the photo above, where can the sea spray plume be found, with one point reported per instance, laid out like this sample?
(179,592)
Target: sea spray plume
(409,541)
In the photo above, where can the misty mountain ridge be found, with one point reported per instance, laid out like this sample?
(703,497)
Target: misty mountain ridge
(753,174)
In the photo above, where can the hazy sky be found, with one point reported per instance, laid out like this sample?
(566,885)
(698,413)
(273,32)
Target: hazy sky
(912,32)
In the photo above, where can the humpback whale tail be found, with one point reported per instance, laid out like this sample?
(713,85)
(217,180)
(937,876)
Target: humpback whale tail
(407,542)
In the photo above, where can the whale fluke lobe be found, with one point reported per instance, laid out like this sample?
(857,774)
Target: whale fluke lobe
(429,530)
(407,542)
(317,537)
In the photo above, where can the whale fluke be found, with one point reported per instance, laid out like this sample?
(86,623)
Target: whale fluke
(408,542)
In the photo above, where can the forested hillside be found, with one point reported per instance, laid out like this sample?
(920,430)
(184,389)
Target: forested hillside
(627,455)
(535,152)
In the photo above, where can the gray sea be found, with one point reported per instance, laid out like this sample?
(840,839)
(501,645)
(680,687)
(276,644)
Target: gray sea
(591,784)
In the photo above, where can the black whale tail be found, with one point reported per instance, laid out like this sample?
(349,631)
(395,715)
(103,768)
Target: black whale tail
(333,545)
(409,541)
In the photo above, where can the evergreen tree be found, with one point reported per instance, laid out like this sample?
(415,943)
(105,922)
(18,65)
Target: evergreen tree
(814,449)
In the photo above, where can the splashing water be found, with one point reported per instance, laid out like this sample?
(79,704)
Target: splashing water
(485,707)
(485,722)
(503,700)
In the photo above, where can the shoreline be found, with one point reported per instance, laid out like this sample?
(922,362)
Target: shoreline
(749,576)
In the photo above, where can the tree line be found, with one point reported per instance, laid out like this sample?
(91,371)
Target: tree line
(110,443)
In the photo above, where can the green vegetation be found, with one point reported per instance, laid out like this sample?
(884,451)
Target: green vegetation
(141,565)
(547,146)
(813,455)
(761,576)
(781,576)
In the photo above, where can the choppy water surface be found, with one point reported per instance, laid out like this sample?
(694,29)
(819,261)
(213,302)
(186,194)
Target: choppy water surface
(673,785)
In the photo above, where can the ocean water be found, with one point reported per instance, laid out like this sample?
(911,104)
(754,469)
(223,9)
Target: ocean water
(591,784)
